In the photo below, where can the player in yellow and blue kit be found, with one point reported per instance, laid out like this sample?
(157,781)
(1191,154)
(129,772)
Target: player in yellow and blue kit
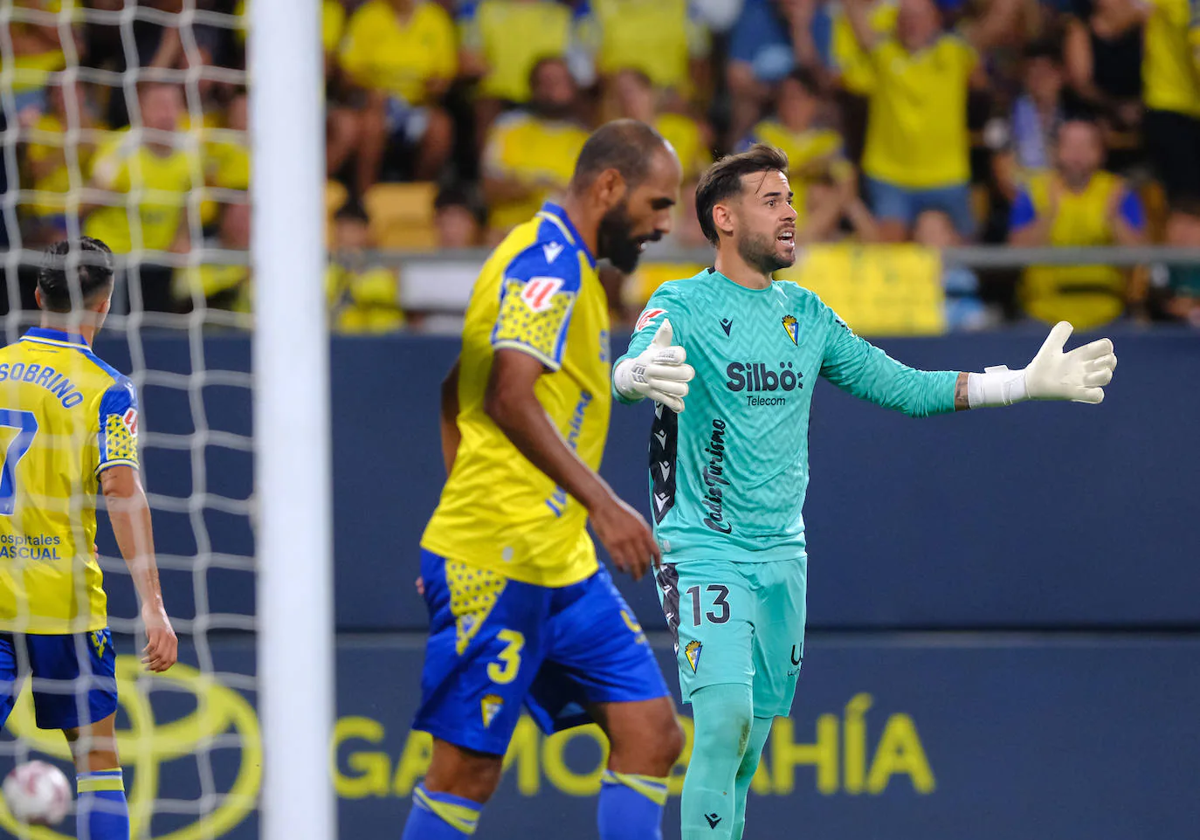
(69,424)
(728,477)
(521,613)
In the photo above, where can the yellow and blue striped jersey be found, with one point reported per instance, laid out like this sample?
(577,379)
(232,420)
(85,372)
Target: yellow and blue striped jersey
(65,417)
(539,294)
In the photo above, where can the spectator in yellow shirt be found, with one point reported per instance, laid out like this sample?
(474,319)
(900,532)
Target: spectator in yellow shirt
(501,41)
(1076,205)
(342,123)
(635,97)
(665,39)
(37,52)
(404,53)
(1171,126)
(917,147)
(363,298)
(1023,144)
(813,151)
(530,155)
(219,286)
(60,162)
(149,171)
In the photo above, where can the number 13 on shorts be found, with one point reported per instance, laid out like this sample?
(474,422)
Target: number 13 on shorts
(737,623)
(720,601)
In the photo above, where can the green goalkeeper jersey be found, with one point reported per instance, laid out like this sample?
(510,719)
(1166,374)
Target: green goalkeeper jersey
(728,476)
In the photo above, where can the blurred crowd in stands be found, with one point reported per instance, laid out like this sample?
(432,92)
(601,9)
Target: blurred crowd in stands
(1065,123)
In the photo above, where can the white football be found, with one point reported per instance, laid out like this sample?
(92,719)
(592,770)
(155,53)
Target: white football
(37,793)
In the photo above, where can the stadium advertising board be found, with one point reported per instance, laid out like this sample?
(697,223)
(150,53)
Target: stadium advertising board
(909,738)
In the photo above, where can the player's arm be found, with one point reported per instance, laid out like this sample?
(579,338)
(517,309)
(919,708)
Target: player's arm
(998,24)
(129,513)
(858,16)
(451,436)
(1127,217)
(1028,227)
(529,339)
(513,406)
(862,369)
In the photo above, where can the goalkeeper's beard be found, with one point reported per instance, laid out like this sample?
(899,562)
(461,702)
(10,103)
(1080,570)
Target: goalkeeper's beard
(615,240)
(762,253)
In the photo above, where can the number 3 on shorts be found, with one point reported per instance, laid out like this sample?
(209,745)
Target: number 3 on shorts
(722,592)
(505,670)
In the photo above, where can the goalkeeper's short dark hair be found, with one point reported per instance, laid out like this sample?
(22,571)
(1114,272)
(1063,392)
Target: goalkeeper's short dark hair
(75,274)
(723,180)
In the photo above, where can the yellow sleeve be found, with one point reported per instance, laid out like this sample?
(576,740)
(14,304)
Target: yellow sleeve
(333,24)
(445,45)
(884,51)
(356,49)
(535,312)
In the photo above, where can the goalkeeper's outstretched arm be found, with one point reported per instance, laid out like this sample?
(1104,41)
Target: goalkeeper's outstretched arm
(1078,375)
(129,512)
(861,368)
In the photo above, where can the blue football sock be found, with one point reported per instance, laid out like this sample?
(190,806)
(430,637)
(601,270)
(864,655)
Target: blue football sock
(631,806)
(101,810)
(745,773)
(440,816)
(724,718)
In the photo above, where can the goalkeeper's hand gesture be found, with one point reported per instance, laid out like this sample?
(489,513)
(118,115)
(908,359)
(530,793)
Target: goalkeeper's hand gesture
(1078,375)
(659,372)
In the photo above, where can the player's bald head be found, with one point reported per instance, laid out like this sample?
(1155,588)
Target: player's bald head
(628,146)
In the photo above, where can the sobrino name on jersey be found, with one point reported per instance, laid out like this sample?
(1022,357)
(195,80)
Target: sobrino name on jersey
(759,377)
(714,479)
(44,377)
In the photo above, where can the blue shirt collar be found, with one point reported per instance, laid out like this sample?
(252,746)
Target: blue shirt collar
(56,335)
(552,209)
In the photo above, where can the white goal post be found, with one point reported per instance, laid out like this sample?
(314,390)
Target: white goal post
(291,358)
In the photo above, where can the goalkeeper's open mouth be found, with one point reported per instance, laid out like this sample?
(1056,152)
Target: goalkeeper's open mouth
(788,237)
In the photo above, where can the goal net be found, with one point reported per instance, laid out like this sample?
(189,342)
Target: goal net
(127,121)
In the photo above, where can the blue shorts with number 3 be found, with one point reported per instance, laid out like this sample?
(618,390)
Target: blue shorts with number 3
(496,645)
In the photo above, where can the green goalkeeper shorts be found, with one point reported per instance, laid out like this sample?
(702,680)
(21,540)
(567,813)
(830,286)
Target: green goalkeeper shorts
(740,623)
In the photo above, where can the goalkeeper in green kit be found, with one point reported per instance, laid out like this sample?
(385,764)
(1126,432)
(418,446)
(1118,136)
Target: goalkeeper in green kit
(729,475)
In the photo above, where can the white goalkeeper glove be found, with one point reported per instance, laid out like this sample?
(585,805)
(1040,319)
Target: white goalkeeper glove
(1079,376)
(658,372)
